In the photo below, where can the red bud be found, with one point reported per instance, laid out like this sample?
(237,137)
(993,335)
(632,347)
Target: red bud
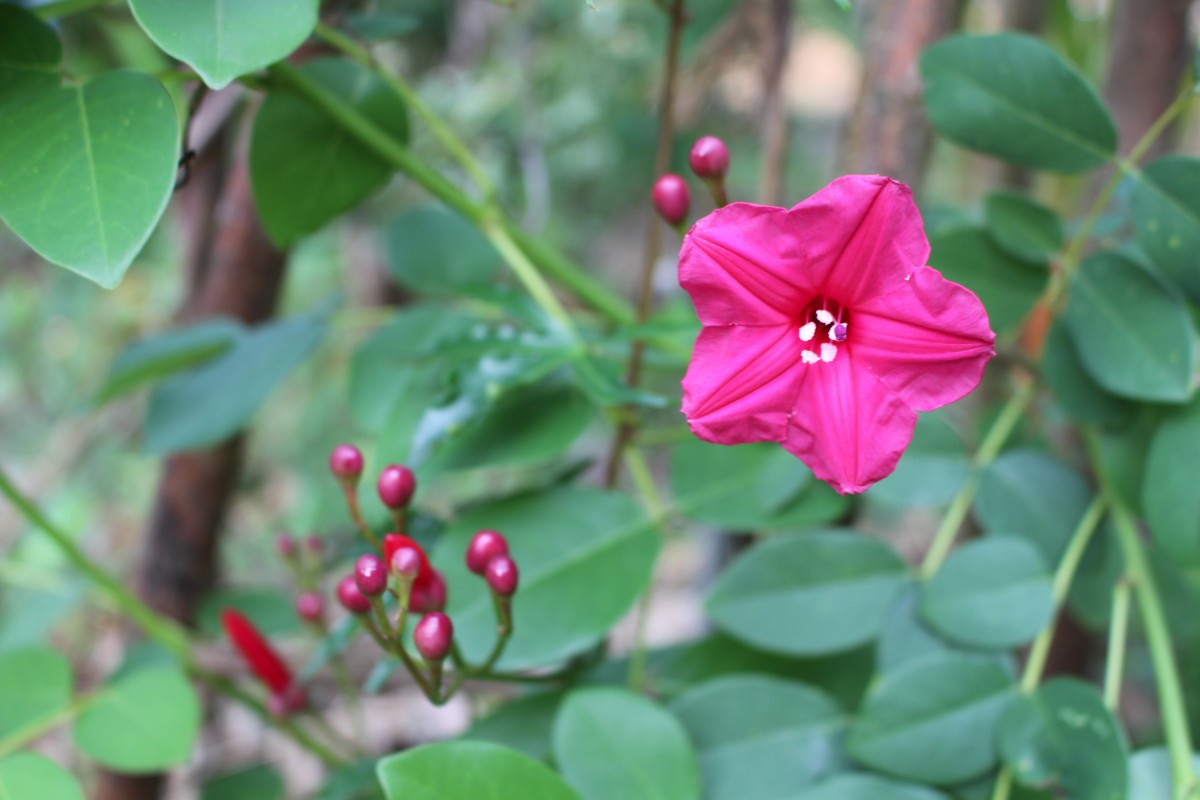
(396,486)
(310,606)
(709,157)
(370,575)
(346,463)
(256,651)
(431,596)
(433,635)
(501,575)
(485,546)
(351,598)
(672,198)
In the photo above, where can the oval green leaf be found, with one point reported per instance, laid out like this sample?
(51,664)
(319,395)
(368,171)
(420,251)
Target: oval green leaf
(905,637)
(1007,286)
(167,353)
(144,721)
(524,724)
(760,738)
(1074,389)
(933,720)
(866,787)
(1165,197)
(1063,738)
(992,593)
(612,744)
(25,776)
(1169,497)
(295,147)
(1012,96)
(433,251)
(1150,774)
(259,782)
(1022,227)
(222,39)
(468,771)
(86,171)
(35,684)
(808,594)
(585,557)
(931,470)
(1133,332)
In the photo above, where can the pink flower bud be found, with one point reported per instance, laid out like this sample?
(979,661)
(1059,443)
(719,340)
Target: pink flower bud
(501,575)
(431,596)
(314,544)
(433,635)
(406,562)
(484,546)
(370,575)
(310,606)
(671,197)
(346,463)
(709,157)
(285,545)
(351,598)
(396,486)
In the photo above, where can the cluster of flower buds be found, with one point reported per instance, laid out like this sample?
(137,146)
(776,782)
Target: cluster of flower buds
(284,696)
(709,160)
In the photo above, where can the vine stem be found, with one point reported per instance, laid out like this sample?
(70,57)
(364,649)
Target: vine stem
(993,441)
(1118,632)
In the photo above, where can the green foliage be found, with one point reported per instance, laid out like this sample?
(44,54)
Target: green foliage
(35,686)
(866,787)
(435,252)
(1022,227)
(1007,285)
(26,775)
(931,470)
(164,355)
(259,782)
(1166,217)
(435,772)
(1172,506)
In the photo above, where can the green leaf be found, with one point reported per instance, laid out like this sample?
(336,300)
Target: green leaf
(1012,96)
(166,354)
(612,744)
(1172,506)
(86,171)
(525,724)
(585,557)
(31,55)
(808,594)
(1090,597)
(1063,738)
(436,252)
(271,610)
(905,637)
(730,486)
(465,770)
(1133,332)
(760,738)
(295,148)
(357,780)
(1166,217)
(992,593)
(214,401)
(25,775)
(1007,285)
(1150,774)
(1022,227)
(35,684)
(1074,389)
(932,720)
(382,26)
(1034,496)
(143,721)
(259,782)
(866,787)
(930,471)
(221,39)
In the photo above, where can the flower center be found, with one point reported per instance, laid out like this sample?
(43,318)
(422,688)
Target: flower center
(824,324)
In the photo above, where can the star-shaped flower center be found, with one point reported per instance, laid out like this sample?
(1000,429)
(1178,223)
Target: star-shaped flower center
(825,324)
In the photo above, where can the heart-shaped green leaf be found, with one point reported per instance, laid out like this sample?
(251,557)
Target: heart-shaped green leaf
(86,171)
(222,39)
(467,770)
(25,776)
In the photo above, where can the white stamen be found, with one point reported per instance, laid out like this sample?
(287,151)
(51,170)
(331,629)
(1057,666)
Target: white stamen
(824,317)
(828,352)
(807,332)
(809,357)
(838,332)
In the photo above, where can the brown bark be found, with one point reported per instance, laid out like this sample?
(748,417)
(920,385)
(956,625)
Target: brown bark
(889,133)
(1147,60)
(234,271)
(777,42)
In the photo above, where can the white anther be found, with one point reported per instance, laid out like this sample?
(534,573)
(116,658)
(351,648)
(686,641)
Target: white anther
(838,332)
(828,352)
(807,332)
(824,317)
(809,357)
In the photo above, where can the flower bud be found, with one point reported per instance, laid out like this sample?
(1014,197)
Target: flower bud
(310,606)
(430,595)
(284,704)
(396,486)
(370,575)
(285,545)
(709,158)
(351,598)
(672,198)
(256,651)
(406,562)
(433,635)
(314,544)
(501,575)
(346,463)
(485,546)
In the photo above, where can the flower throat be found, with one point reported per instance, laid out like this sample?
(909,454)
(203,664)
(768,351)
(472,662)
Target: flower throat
(824,325)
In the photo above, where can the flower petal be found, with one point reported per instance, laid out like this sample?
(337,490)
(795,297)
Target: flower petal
(857,237)
(735,265)
(742,383)
(928,340)
(847,426)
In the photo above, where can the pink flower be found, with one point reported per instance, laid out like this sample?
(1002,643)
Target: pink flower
(824,330)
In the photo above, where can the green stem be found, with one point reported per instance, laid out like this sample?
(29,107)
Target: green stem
(165,631)
(1003,784)
(1035,664)
(527,273)
(996,436)
(1118,632)
(40,727)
